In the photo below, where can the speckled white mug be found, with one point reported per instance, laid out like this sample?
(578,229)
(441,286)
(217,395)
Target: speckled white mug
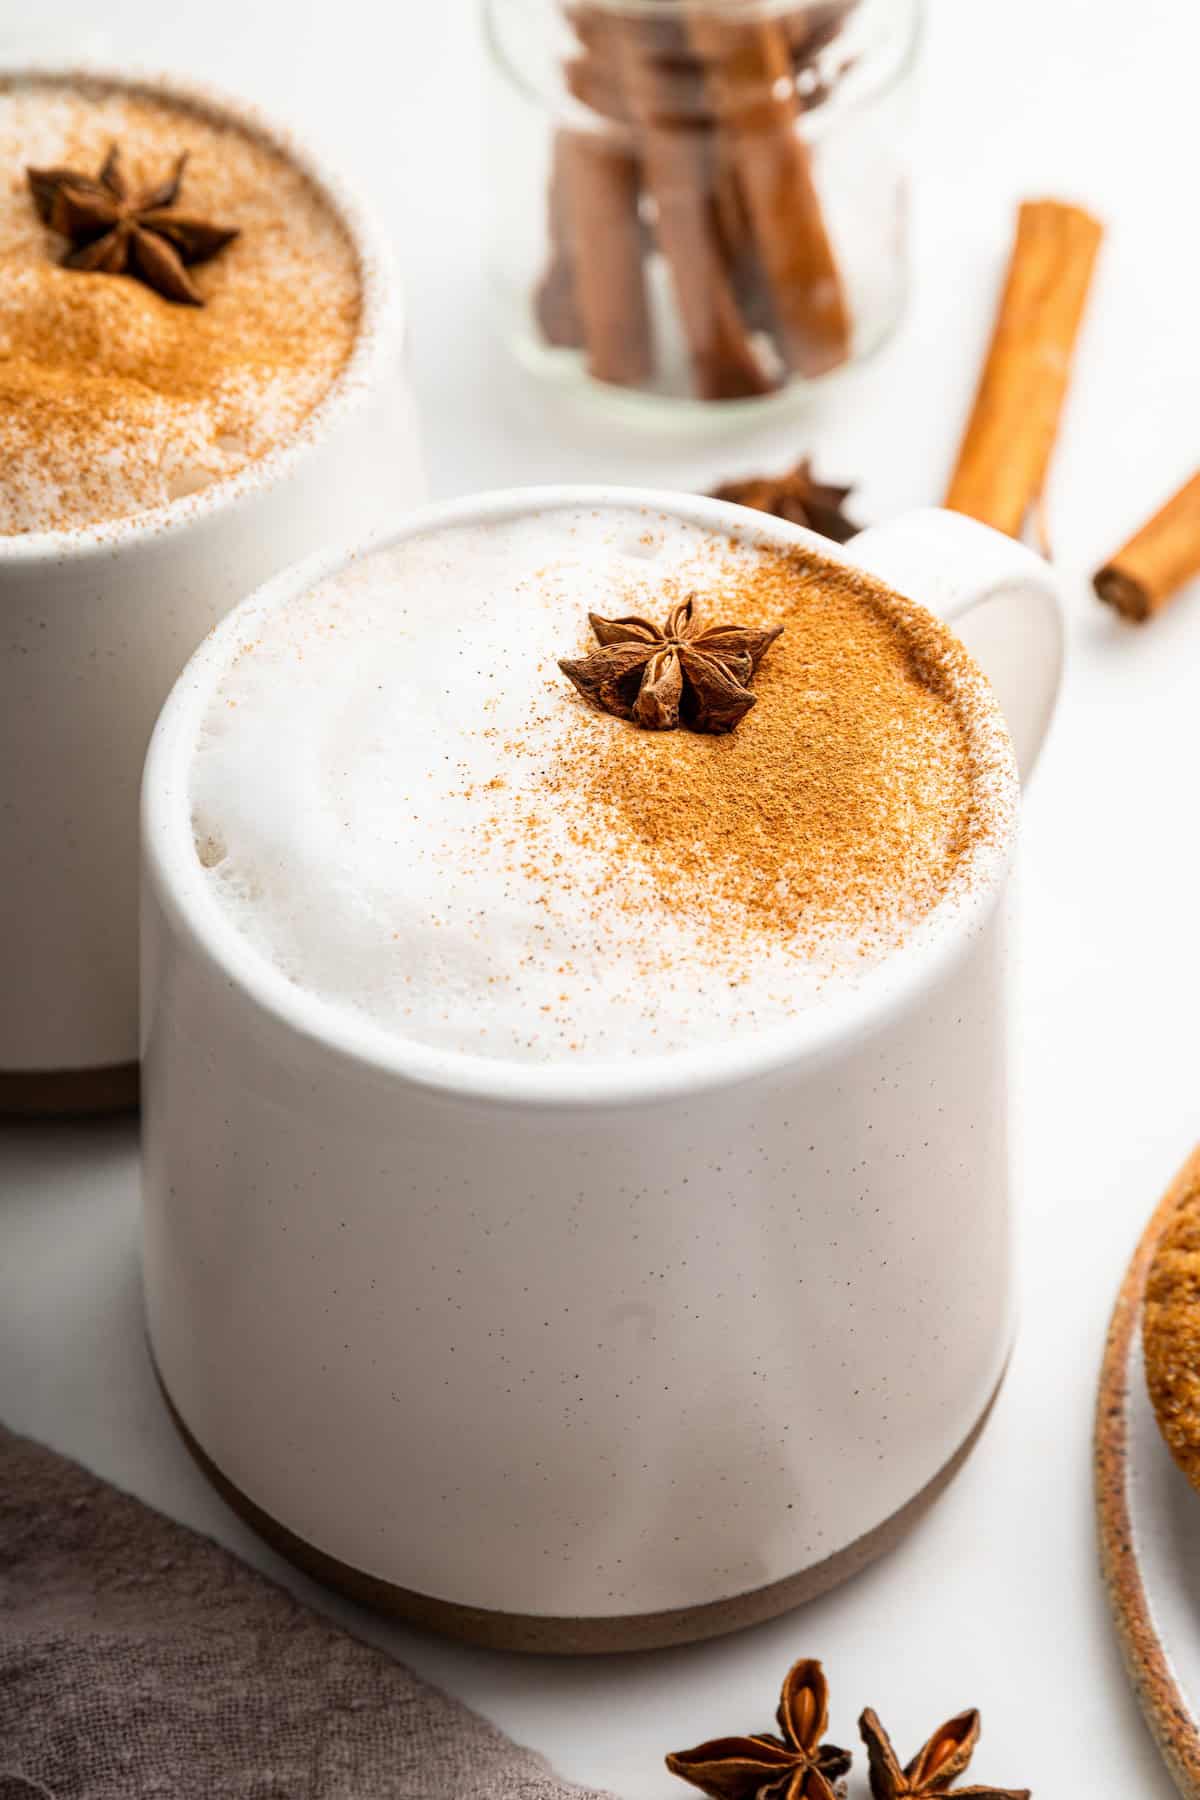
(94,627)
(599,1357)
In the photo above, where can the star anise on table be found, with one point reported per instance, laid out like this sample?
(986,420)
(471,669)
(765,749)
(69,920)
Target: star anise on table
(797,496)
(795,1765)
(936,1765)
(115,232)
(683,673)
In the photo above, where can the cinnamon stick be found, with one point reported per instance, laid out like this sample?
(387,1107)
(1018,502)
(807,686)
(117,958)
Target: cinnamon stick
(1014,420)
(675,151)
(602,180)
(556,302)
(735,235)
(1156,562)
(593,294)
(593,77)
(749,69)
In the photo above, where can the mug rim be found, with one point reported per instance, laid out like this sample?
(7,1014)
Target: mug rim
(814,1036)
(381,324)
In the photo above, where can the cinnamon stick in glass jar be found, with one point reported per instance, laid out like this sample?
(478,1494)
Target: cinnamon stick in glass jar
(697,157)
(1157,561)
(749,73)
(674,136)
(593,294)
(556,302)
(1014,420)
(735,234)
(603,182)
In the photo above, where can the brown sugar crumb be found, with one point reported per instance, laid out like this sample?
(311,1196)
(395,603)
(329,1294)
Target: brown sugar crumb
(1171,1331)
(844,804)
(113,400)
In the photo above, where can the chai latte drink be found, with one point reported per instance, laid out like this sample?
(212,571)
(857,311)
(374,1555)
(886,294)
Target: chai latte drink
(121,395)
(403,802)
(201,381)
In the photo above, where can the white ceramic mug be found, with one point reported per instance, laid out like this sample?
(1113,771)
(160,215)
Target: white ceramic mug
(587,1358)
(94,627)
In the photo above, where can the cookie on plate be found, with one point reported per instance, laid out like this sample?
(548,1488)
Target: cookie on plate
(1171,1329)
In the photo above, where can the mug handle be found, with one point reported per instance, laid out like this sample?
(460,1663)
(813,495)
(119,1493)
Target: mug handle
(1001,598)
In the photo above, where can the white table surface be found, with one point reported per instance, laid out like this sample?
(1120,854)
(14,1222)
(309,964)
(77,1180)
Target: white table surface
(995,1599)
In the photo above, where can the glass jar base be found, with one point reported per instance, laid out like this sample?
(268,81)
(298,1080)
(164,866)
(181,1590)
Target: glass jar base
(660,413)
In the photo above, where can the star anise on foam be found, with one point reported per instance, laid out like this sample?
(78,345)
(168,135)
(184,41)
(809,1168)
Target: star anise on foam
(797,496)
(937,1764)
(115,232)
(795,1765)
(683,673)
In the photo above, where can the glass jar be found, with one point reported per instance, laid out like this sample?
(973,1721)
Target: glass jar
(699,205)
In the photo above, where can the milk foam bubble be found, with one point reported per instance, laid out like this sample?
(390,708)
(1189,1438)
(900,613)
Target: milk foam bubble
(380,808)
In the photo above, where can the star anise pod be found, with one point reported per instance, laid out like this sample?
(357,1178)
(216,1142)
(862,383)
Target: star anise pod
(796,496)
(936,1765)
(795,1765)
(683,673)
(115,232)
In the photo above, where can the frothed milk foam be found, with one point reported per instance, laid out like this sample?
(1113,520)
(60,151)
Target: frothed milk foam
(113,400)
(401,802)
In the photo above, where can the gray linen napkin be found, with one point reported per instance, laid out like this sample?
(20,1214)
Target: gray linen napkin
(138,1659)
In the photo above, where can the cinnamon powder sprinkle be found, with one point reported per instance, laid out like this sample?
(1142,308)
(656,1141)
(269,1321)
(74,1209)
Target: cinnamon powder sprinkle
(842,809)
(113,401)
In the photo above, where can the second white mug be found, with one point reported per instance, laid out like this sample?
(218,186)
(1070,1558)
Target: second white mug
(95,624)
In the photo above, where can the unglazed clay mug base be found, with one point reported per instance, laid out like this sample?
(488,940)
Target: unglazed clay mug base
(519,1434)
(96,625)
